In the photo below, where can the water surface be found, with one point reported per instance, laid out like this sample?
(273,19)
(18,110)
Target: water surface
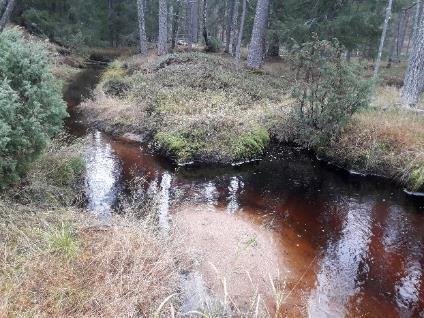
(356,242)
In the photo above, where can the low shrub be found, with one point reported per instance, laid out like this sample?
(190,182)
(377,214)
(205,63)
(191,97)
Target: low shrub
(328,91)
(31,105)
(214,45)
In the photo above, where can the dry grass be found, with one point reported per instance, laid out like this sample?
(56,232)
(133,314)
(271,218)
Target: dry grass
(55,178)
(64,264)
(384,142)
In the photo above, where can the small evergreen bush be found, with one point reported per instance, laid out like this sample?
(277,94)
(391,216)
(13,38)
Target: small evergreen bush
(214,45)
(327,90)
(31,105)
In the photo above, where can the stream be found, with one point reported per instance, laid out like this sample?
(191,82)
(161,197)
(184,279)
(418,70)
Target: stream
(357,242)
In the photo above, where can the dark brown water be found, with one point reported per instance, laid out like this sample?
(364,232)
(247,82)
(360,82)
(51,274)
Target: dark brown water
(356,243)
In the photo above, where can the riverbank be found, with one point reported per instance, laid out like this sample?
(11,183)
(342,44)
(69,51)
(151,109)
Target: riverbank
(58,259)
(199,108)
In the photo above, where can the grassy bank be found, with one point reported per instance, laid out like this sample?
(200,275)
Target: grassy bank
(198,107)
(194,107)
(57,260)
(383,140)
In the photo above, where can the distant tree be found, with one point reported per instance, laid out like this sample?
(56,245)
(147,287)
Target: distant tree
(5,15)
(233,29)
(241,31)
(414,78)
(205,22)
(256,48)
(163,27)
(175,23)
(142,27)
(383,37)
(229,13)
(194,16)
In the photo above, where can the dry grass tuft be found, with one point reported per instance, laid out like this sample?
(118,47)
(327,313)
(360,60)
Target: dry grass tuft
(388,143)
(64,264)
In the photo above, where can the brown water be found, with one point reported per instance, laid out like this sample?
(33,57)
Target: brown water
(356,243)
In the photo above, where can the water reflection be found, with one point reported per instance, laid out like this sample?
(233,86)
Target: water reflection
(408,288)
(343,265)
(234,187)
(102,176)
(165,186)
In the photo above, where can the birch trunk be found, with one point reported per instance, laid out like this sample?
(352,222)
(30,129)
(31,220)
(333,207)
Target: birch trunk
(256,48)
(414,82)
(383,38)
(141,27)
(6,14)
(163,16)
(241,30)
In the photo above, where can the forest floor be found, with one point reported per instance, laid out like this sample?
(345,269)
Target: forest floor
(202,108)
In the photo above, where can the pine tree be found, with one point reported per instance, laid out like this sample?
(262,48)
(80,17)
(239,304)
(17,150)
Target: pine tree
(163,27)
(241,31)
(414,82)
(256,49)
(142,27)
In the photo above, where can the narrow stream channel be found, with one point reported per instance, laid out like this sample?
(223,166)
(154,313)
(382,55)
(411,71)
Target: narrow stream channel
(357,242)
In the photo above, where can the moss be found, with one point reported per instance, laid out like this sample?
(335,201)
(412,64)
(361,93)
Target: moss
(251,143)
(115,71)
(177,146)
(416,178)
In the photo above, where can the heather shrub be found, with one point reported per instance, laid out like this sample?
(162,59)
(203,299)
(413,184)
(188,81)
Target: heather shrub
(31,106)
(327,92)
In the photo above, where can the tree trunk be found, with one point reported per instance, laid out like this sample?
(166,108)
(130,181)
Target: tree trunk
(241,30)
(402,33)
(418,11)
(141,27)
(163,15)
(383,37)
(348,55)
(205,22)
(194,15)
(392,51)
(6,14)
(175,24)
(234,22)
(230,12)
(254,58)
(274,45)
(414,82)
(2,6)
(189,27)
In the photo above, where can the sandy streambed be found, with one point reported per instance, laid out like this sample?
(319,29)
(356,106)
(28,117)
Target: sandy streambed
(237,260)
